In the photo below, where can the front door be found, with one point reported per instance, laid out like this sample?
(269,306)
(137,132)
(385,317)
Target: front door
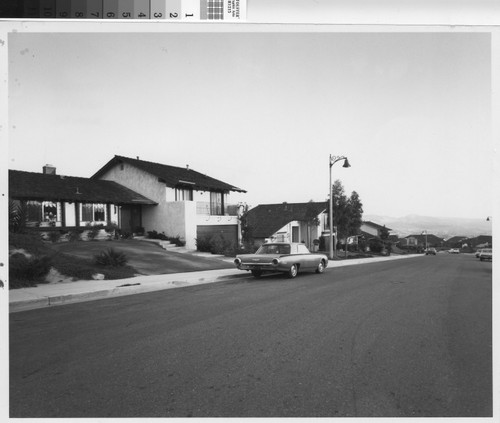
(131,218)
(295,234)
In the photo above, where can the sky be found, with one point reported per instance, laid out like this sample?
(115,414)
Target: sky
(264,111)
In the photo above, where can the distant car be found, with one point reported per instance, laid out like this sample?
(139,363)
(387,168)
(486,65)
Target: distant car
(284,257)
(430,251)
(454,251)
(486,254)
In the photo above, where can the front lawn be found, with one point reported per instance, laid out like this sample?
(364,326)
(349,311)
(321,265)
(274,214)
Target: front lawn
(29,271)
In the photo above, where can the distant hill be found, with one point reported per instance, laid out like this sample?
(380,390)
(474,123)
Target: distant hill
(444,227)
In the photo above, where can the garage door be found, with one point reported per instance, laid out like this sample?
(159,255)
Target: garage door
(229,232)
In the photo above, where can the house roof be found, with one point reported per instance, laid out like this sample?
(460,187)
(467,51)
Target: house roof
(42,187)
(171,175)
(431,239)
(375,225)
(266,219)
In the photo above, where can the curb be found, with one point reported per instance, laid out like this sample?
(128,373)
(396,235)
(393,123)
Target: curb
(129,287)
(118,291)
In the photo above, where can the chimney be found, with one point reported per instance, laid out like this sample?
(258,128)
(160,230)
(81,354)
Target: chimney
(187,167)
(49,169)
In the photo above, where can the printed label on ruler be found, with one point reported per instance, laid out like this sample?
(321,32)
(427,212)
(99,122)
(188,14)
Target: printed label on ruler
(222,10)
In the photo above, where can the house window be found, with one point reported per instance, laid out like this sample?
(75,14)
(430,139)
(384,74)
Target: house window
(93,212)
(183,194)
(43,212)
(216,207)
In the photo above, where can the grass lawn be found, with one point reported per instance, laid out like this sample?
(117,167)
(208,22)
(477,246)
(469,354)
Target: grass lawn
(28,272)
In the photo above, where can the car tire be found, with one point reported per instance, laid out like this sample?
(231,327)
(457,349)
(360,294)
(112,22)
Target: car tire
(321,267)
(257,274)
(292,272)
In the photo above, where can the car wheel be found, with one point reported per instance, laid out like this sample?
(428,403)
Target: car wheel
(321,267)
(257,273)
(292,272)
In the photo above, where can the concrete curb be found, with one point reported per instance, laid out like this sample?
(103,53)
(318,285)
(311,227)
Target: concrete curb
(74,292)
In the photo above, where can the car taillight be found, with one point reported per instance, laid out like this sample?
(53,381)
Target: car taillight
(237,261)
(275,262)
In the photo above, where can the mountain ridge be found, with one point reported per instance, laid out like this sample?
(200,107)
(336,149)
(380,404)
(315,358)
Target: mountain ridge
(443,227)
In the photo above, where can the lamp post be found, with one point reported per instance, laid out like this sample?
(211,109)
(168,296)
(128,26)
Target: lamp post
(425,233)
(333,160)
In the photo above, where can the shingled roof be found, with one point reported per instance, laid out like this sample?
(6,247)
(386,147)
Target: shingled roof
(266,219)
(43,187)
(172,176)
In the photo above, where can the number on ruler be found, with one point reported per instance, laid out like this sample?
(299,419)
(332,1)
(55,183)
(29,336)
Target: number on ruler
(95,14)
(174,15)
(126,14)
(158,15)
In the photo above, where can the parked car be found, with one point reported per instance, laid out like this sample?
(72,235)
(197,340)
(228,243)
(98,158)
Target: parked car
(284,257)
(430,251)
(486,254)
(454,251)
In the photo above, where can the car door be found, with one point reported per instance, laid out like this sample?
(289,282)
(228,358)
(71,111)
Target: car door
(307,260)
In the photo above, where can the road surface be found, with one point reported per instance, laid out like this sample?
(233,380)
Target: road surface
(405,338)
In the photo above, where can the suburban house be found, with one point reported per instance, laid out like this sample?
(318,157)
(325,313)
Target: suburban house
(421,240)
(372,230)
(136,195)
(67,202)
(288,222)
(189,204)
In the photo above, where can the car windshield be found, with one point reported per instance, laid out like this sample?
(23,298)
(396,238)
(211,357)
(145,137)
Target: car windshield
(274,249)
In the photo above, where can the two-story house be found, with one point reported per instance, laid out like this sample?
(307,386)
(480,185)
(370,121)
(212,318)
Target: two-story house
(188,204)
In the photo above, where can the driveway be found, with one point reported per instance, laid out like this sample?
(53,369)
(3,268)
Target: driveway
(146,257)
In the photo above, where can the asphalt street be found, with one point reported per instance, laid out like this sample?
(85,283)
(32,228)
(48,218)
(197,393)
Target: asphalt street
(405,338)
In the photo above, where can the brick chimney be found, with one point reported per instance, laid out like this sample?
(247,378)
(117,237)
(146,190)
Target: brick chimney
(49,169)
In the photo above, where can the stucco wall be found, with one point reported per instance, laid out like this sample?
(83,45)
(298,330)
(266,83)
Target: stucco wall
(369,229)
(154,218)
(182,221)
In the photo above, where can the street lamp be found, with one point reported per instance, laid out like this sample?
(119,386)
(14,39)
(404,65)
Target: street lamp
(333,160)
(425,233)
(489,218)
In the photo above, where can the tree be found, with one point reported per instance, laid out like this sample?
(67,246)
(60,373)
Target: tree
(347,211)
(311,219)
(246,229)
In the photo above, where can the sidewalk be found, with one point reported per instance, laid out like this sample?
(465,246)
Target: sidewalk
(47,295)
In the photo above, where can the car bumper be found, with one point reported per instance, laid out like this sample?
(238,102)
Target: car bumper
(260,266)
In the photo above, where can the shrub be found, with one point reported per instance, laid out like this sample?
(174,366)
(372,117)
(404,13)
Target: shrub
(93,231)
(156,235)
(74,235)
(54,236)
(27,271)
(177,241)
(203,244)
(111,257)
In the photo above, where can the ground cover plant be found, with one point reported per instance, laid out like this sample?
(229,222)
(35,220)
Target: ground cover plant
(32,258)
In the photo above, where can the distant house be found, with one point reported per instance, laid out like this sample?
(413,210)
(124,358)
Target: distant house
(134,194)
(481,241)
(455,241)
(289,222)
(189,204)
(421,240)
(371,229)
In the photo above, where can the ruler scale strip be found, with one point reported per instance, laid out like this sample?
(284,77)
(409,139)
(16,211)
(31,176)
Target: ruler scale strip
(170,10)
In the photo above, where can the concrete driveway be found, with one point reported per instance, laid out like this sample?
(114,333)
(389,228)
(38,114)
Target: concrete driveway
(146,257)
